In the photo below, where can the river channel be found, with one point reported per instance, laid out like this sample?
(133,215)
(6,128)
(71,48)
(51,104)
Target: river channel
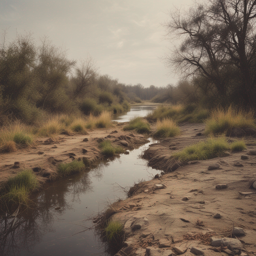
(59,221)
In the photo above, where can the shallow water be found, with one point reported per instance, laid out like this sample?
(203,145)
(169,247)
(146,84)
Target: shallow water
(58,223)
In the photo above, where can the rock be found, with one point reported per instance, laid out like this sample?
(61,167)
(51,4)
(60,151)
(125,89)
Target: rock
(179,250)
(252,152)
(199,134)
(16,165)
(232,243)
(196,251)
(48,141)
(244,157)
(114,132)
(201,202)
(213,167)
(238,164)
(99,140)
(54,146)
(57,208)
(126,152)
(238,232)
(164,243)
(40,152)
(36,169)
(84,151)
(254,184)
(139,223)
(185,198)
(85,140)
(124,143)
(159,186)
(217,216)
(221,186)
(216,242)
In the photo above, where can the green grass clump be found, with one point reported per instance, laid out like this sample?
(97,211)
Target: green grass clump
(65,169)
(108,149)
(18,187)
(207,149)
(138,124)
(22,139)
(237,146)
(222,121)
(114,232)
(166,128)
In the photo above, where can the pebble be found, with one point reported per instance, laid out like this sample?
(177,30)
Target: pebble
(243,157)
(238,231)
(16,165)
(36,169)
(85,140)
(196,251)
(164,243)
(217,216)
(252,152)
(159,186)
(238,164)
(213,167)
(84,150)
(179,250)
(221,186)
(40,153)
(185,198)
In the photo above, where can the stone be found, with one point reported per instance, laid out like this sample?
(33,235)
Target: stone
(238,232)
(185,198)
(54,146)
(254,184)
(221,186)
(126,152)
(216,241)
(199,134)
(217,216)
(213,167)
(164,243)
(85,140)
(244,157)
(179,250)
(124,143)
(252,152)
(196,251)
(232,243)
(84,150)
(114,132)
(238,164)
(159,186)
(48,141)
(36,169)
(139,223)
(16,165)
(40,152)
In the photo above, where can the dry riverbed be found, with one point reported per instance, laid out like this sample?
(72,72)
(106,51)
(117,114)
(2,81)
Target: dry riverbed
(202,208)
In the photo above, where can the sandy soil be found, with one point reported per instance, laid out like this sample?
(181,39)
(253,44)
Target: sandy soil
(181,214)
(45,155)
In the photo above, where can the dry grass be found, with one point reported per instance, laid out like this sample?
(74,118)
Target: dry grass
(166,128)
(102,121)
(78,125)
(222,121)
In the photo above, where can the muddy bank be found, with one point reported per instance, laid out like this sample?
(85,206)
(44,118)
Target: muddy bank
(195,210)
(44,157)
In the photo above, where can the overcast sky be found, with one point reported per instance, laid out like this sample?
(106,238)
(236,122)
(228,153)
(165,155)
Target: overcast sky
(125,38)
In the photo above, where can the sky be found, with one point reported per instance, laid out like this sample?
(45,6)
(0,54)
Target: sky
(126,39)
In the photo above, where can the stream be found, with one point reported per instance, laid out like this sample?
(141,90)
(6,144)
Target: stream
(59,221)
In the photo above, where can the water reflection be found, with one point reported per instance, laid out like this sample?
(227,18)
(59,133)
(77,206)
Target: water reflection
(57,222)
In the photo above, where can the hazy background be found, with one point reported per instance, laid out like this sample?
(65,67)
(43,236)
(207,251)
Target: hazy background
(126,39)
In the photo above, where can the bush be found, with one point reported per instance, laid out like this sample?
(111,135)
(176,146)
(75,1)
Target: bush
(78,125)
(108,150)
(138,124)
(22,139)
(89,106)
(117,109)
(206,149)
(65,169)
(114,232)
(17,188)
(102,121)
(237,146)
(166,128)
(222,121)
(106,97)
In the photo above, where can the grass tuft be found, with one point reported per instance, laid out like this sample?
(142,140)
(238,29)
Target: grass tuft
(108,149)
(65,169)
(22,139)
(222,122)
(166,128)
(138,124)
(8,147)
(114,232)
(210,148)
(237,146)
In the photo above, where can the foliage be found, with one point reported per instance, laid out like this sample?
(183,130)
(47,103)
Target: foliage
(166,128)
(203,150)
(222,121)
(22,139)
(237,146)
(114,231)
(108,149)
(65,169)
(138,124)
(89,106)
(106,97)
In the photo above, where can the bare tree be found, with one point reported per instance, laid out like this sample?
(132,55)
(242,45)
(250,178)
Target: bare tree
(219,44)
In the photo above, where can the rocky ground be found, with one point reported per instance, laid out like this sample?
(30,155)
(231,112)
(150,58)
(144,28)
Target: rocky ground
(202,208)
(46,153)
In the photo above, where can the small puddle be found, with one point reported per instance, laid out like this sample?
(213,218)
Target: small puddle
(59,224)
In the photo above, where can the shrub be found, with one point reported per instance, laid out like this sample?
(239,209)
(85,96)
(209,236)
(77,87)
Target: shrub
(138,124)
(88,106)
(102,121)
(114,232)
(126,106)
(222,121)
(65,169)
(18,187)
(108,149)
(78,125)
(51,127)
(105,97)
(117,109)
(8,147)
(22,139)
(210,148)
(237,146)
(166,128)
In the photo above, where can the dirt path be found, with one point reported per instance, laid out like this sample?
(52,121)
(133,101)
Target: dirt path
(186,209)
(45,155)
